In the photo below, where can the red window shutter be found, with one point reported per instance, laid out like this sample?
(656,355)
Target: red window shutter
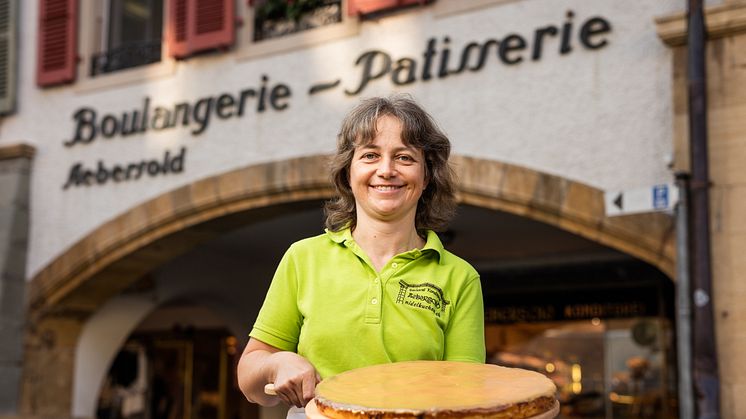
(197,25)
(57,52)
(364,7)
(176,28)
(213,24)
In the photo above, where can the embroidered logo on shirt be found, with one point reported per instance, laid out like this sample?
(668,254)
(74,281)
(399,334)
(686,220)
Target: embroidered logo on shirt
(425,295)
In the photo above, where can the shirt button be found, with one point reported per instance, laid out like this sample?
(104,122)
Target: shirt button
(375,281)
(374,301)
(394,265)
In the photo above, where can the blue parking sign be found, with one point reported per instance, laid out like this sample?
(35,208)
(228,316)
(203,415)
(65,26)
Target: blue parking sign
(660,197)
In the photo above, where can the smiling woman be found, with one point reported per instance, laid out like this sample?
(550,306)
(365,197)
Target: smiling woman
(377,286)
(387,177)
(418,133)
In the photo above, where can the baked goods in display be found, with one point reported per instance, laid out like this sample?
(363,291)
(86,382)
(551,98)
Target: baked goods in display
(435,390)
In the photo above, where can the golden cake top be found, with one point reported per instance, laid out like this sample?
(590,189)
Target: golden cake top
(427,385)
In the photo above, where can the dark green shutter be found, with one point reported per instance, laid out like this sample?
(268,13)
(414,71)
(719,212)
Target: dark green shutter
(8,48)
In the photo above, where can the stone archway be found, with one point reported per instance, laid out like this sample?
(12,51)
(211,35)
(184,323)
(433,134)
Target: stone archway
(66,292)
(568,205)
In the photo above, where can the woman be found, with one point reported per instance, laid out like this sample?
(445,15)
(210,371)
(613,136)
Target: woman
(378,286)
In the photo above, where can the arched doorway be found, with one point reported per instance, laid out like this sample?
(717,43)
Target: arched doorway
(178,362)
(227,233)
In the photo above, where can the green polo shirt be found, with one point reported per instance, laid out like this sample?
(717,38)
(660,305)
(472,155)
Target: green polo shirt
(327,303)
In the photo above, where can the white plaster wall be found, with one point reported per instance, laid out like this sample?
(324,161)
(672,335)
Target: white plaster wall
(602,117)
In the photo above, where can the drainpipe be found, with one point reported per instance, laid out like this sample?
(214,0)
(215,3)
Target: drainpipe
(706,381)
(683,301)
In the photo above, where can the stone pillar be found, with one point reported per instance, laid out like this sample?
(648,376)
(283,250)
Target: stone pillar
(726,72)
(726,105)
(15,171)
(49,366)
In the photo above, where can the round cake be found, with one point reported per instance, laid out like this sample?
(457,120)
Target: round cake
(436,390)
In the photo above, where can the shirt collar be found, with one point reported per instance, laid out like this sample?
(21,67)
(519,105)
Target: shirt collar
(340,236)
(434,244)
(432,241)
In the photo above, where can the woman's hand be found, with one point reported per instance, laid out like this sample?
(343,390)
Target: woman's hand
(295,378)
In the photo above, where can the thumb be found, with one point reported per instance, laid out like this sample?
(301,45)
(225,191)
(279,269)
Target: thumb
(309,385)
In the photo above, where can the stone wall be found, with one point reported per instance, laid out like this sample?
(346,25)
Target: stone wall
(15,171)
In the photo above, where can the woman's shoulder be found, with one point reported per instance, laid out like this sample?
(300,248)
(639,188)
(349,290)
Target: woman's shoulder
(449,258)
(314,243)
(310,242)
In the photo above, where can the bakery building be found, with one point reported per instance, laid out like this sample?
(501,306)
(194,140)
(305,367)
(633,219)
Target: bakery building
(158,156)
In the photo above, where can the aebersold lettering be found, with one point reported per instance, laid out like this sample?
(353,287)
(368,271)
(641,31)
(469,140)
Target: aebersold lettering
(103,173)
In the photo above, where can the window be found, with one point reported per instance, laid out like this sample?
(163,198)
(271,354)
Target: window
(275,26)
(124,41)
(133,38)
(275,18)
(135,31)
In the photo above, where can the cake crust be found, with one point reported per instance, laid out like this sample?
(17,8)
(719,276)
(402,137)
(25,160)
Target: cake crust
(524,410)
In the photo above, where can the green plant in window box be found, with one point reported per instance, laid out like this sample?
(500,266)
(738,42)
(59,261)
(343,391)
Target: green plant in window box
(286,9)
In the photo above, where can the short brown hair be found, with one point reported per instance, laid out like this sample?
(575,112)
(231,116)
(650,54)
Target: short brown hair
(437,204)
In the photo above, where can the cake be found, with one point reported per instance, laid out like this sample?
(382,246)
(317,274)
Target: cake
(435,390)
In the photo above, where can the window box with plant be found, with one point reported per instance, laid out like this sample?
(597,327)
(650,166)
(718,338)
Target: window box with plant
(276,18)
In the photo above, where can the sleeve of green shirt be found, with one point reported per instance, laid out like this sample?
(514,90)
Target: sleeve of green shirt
(464,337)
(279,320)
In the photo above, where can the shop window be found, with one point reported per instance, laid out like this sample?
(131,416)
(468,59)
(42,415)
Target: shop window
(181,374)
(57,42)
(603,332)
(618,368)
(276,18)
(133,37)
